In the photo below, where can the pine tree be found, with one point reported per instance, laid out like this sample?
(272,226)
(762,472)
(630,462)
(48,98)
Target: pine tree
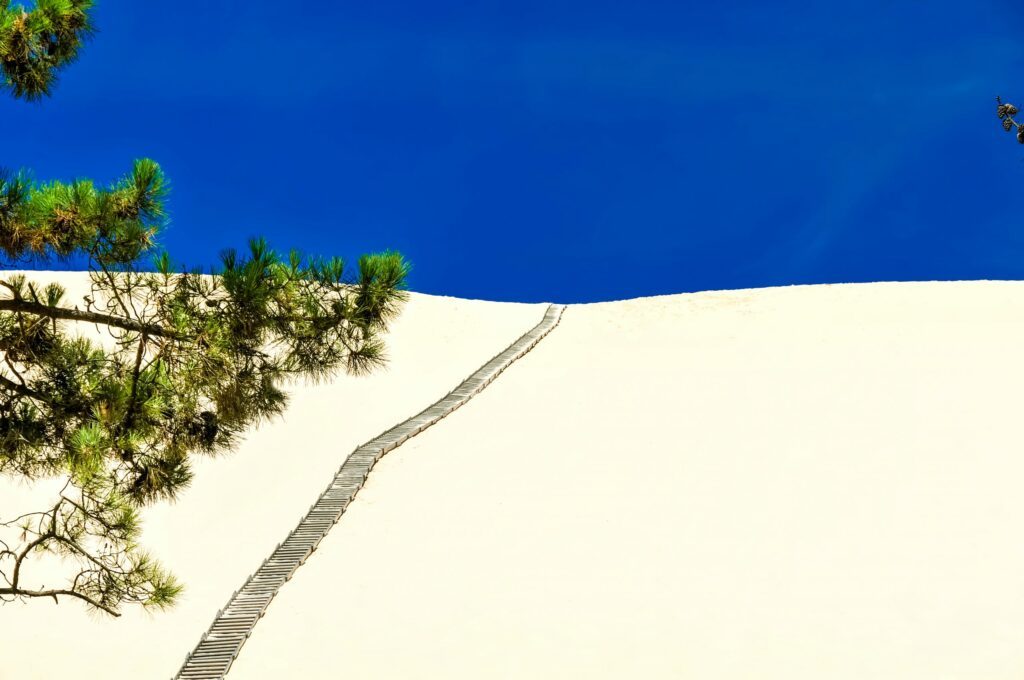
(192,362)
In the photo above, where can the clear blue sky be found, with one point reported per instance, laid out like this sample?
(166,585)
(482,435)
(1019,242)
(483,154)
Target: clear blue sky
(567,151)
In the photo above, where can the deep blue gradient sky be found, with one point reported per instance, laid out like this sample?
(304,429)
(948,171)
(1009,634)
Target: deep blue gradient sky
(573,151)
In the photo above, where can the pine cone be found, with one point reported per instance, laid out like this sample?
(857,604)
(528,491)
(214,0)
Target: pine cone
(1007,124)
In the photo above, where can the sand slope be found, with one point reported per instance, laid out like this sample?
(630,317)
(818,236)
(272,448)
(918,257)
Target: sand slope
(808,482)
(240,506)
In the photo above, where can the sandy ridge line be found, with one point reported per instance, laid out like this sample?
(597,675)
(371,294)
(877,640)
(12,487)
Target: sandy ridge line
(221,644)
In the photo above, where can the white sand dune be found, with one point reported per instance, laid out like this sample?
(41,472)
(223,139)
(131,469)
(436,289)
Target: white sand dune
(804,482)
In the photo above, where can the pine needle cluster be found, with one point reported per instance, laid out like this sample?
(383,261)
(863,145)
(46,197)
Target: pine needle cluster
(36,43)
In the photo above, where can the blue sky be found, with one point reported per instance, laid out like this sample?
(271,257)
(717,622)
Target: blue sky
(571,151)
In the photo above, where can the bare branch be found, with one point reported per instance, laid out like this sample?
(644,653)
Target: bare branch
(11,386)
(39,309)
(19,592)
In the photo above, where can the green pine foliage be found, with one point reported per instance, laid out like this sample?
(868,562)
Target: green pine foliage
(191,361)
(113,225)
(36,43)
(196,361)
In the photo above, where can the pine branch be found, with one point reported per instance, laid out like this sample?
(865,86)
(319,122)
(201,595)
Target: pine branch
(19,592)
(64,313)
(108,577)
(11,386)
(133,397)
(67,314)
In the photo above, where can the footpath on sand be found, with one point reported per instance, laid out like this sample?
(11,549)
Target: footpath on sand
(221,644)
